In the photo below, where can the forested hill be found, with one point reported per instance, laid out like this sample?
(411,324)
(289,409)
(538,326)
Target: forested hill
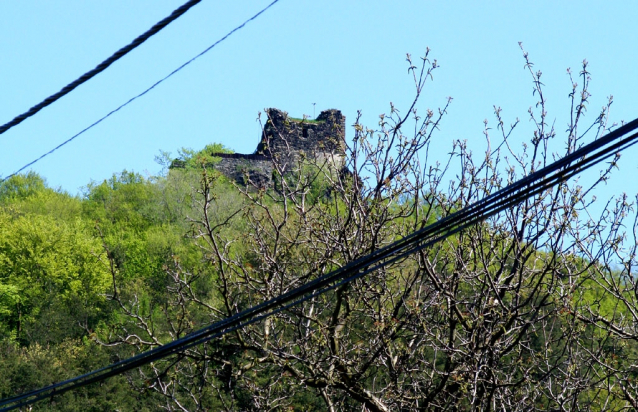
(521,311)
(64,258)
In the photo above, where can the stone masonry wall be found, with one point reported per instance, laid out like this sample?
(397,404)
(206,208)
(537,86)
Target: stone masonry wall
(285,140)
(246,168)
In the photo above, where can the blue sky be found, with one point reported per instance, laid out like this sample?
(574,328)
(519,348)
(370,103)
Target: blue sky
(344,54)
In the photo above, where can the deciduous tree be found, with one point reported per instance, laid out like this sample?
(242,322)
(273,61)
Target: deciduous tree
(524,311)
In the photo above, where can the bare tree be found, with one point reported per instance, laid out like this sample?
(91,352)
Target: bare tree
(524,311)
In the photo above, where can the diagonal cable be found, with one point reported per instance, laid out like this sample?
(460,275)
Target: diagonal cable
(100,67)
(529,186)
(157,83)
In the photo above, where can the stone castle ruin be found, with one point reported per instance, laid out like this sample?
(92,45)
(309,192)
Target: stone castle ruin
(285,141)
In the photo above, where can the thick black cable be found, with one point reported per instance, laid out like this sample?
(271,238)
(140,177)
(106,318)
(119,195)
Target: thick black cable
(102,66)
(531,185)
(141,94)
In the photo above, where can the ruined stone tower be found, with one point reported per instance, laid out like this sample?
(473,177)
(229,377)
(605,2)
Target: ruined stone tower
(286,140)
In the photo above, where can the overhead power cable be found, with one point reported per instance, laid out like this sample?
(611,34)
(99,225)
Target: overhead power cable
(157,83)
(100,67)
(529,186)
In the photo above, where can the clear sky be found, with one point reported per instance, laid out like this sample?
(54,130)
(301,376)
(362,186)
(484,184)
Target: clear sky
(345,54)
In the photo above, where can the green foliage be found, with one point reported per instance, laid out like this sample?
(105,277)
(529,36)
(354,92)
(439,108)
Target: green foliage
(59,256)
(306,120)
(28,368)
(29,194)
(47,266)
(21,187)
(142,222)
(52,270)
(193,159)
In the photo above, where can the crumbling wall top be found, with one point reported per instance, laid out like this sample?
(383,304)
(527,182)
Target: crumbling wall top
(287,136)
(285,139)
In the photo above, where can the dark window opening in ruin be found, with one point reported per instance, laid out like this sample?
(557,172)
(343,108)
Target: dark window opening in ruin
(304,132)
